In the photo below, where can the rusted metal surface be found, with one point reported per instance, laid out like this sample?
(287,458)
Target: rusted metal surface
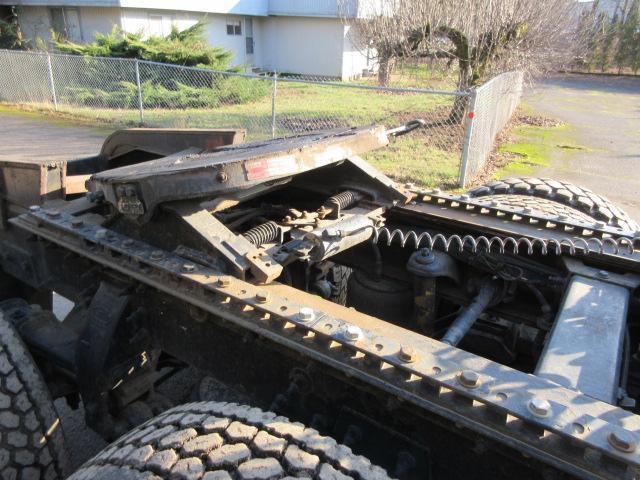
(534,415)
(165,141)
(31,183)
(149,184)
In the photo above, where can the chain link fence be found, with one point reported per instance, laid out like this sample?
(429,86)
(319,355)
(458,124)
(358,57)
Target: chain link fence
(137,92)
(491,106)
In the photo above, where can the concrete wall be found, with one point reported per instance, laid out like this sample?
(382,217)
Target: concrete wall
(36,22)
(100,20)
(310,46)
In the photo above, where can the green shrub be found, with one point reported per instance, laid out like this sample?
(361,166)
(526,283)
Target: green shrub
(125,95)
(238,90)
(162,87)
(188,47)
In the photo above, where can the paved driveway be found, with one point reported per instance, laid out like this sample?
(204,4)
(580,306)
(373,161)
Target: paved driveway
(604,115)
(26,136)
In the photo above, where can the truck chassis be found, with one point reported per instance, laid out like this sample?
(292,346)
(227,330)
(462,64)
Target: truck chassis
(165,271)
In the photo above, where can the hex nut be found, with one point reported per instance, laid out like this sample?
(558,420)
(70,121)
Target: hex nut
(469,379)
(222,177)
(188,267)
(157,255)
(53,213)
(603,274)
(352,333)
(34,208)
(224,282)
(76,222)
(622,440)
(425,257)
(407,354)
(127,243)
(540,407)
(306,314)
(101,234)
(262,297)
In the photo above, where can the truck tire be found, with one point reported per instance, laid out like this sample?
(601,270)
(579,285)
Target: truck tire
(217,440)
(340,279)
(32,442)
(547,195)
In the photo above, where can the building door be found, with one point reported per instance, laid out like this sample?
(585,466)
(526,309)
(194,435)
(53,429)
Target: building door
(248,31)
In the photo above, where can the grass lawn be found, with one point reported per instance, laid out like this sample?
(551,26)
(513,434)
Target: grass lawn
(429,158)
(532,148)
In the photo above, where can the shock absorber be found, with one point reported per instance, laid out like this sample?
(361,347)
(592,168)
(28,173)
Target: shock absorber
(263,233)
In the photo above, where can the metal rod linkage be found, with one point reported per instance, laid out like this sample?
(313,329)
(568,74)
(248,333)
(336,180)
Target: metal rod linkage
(469,315)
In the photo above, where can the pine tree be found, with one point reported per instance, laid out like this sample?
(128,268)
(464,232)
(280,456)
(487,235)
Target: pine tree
(626,56)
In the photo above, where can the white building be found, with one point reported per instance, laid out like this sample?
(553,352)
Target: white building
(290,36)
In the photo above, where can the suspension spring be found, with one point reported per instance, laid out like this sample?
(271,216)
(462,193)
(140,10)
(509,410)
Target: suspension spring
(344,200)
(513,245)
(264,233)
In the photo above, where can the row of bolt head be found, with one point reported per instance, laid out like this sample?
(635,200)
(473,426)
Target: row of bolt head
(620,440)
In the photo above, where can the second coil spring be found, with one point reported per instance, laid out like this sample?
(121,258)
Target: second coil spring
(514,245)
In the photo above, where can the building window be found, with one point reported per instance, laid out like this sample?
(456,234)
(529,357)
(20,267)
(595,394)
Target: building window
(234,27)
(248,24)
(65,22)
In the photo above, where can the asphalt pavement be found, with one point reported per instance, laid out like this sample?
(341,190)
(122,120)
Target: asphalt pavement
(28,136)
(603,113)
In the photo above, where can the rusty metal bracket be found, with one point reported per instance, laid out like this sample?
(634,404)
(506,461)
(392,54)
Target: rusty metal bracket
(535,416)
(236,249)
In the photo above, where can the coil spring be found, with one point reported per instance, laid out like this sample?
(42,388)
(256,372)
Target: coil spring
(511,244)
(344,200)
(264,233)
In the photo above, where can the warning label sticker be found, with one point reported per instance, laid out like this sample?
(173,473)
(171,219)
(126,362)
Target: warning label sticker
(271,167)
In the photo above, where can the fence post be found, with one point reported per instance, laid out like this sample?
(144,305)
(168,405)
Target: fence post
(140,105)
(52,85)
(468,137)
(274,91)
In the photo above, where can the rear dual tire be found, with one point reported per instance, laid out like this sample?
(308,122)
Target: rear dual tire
(217,441)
